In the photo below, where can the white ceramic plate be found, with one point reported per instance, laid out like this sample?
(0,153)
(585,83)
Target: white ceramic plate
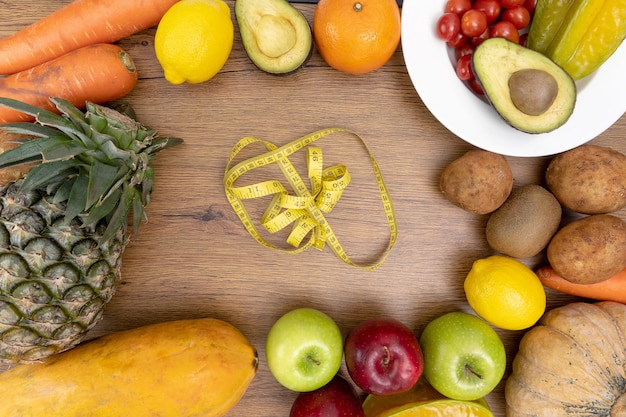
(601,99)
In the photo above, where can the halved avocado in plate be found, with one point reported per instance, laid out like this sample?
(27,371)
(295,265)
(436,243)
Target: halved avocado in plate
(528,90)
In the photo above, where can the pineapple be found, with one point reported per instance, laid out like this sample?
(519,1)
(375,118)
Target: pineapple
(64,224)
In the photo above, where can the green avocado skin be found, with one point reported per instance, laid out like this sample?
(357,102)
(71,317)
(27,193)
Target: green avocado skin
(495,60)
(276,36)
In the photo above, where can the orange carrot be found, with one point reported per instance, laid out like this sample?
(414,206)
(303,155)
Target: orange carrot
(97,73)
(80,23)
(612,289)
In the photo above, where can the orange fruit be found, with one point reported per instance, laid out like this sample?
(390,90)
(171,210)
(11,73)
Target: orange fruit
(356,36)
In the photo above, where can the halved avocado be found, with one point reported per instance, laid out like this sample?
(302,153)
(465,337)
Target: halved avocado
(275,35)
(530,91)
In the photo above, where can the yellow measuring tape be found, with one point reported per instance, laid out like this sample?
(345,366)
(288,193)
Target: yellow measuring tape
(305,210)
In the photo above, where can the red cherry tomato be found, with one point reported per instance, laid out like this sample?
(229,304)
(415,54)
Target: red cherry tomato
(523,39)
(464,68)
(504,29)
(475,86)
(531,5)
(457,41)
(458,6)
(491,9)
(473,23)
(466,49)
(508,4)
(518,15)
(466,23)
(477,40)
(448,26)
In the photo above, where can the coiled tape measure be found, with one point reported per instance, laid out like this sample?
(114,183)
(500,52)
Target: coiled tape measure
(305,210)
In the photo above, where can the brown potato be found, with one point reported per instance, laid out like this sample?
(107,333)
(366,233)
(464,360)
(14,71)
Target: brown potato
(590,249)
(589,179)
(525,223)
(479,181)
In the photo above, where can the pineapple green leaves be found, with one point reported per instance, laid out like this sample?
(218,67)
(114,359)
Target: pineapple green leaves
(63,226)
(96,161)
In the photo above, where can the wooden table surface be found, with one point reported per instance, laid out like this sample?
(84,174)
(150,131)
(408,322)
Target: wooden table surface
(194,258)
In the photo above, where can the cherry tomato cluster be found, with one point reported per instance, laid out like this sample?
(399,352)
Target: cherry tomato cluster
(464,24)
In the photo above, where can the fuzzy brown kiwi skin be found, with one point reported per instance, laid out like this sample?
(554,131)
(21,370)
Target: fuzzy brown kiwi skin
(523,226)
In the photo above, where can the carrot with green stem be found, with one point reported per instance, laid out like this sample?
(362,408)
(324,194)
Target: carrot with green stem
(612,289)
(80,23)
(97,73)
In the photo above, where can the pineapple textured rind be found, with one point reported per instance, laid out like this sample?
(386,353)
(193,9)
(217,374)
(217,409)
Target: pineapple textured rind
(55,279)
(63,226)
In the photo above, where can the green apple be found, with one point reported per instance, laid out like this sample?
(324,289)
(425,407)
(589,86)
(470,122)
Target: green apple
(304,349)
(464,358)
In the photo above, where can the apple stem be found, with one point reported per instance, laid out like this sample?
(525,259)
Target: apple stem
(472,371)
(387,357)
(315,362)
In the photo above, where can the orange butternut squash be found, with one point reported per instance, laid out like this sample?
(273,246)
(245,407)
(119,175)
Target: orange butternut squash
(572,364)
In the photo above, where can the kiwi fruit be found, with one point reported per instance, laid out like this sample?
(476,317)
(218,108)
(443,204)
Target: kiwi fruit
(523,226)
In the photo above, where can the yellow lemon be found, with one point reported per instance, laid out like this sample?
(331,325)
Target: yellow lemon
(505,292)
(193,40)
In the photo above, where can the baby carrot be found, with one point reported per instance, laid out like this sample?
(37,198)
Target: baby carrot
(612,289)
(80,23)
(97,73)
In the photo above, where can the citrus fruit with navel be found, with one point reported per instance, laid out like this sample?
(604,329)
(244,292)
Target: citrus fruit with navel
(193,40)
(356,36)
(505,292)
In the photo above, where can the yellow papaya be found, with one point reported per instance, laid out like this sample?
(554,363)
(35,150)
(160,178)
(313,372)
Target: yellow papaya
(183,368)
(579,35)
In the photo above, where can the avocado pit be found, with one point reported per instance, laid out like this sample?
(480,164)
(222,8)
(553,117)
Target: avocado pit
(532,90)
(275,35)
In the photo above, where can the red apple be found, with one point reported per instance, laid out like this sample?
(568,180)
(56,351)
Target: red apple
(335,399)
(383,356)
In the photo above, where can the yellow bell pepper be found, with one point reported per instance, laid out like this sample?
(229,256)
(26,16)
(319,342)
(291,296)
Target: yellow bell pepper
(579,35)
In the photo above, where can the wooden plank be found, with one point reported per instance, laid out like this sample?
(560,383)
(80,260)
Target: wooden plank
(193,258)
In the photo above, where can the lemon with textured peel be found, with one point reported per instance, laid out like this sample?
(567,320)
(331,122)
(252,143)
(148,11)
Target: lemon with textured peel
(422,392)
(505,292)
(193,40)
